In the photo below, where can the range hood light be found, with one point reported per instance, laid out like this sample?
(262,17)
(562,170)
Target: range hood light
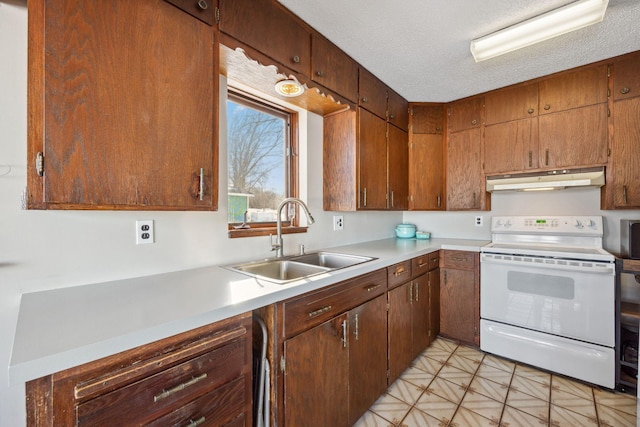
(544,189)
(552,180)
(557,22)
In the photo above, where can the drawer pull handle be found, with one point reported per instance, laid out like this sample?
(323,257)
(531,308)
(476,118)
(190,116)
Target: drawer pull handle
(195,423)
(356,333)
(179,387)
(296,59)
(398,271)
(371,288)
(625,90)
(202,4)
(319,311)
(422,264)
(456,258)
(344,334)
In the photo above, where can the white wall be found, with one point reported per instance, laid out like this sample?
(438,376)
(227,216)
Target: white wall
(42,250)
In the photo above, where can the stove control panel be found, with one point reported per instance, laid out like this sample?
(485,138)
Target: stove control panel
(583,225)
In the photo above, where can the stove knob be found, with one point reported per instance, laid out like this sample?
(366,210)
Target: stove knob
(577,223)
(591,223)
(499,223)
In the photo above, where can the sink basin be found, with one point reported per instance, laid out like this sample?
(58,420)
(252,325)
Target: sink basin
(283,270)
(279,270)
(331,260)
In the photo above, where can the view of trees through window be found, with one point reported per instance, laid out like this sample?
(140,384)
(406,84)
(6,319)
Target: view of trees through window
(258,144)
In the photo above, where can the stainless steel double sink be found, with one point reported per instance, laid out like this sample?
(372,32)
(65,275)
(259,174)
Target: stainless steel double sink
(288,269)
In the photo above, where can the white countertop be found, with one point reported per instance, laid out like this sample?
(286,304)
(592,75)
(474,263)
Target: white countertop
(62,328)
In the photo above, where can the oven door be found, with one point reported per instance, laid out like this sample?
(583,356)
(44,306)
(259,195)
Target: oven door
(567,298)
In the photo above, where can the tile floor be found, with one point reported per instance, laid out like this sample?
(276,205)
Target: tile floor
(455,385)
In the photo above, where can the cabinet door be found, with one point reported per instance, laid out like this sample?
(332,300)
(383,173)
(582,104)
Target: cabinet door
(458,316)
(426,172)
(574,138)
(464,171)
(316,390)
(626,78)
(333,68)
(372,94)
(398,110)
(269,28)
(511,146)
(518,102)
(367,356)
(465,114)
(398,165)
(399,335)
(626,154)
(123,108)
(420,315)
(339,162)
(587,86)
(427,119)
(372,161)
(434,303)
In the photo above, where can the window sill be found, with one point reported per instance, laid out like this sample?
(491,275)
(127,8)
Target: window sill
(263,231)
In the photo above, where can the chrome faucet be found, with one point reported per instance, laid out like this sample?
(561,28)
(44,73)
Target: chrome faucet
(278,245)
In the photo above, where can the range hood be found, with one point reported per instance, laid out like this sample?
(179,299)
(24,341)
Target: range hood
(548,180)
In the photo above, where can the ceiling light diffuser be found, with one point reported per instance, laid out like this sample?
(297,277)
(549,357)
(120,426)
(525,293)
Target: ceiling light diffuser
(289,88)
(559,21)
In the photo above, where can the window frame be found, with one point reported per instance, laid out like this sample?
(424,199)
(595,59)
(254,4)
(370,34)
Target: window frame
(269,227)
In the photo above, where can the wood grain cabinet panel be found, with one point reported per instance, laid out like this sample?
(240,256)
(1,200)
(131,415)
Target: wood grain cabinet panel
(372,94)
(398,168)
(623,191)
(513,103)
(372,161)
(626,78)
(583,87)
(333,68)
(118,91)
(340,162)
(398,113)
(465,186)
(427,118)
(511,146)
(465,114)
(460,296)
(271,29)
(204,374)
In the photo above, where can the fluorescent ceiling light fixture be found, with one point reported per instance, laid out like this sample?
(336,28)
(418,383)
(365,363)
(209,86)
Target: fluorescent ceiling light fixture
(559,21)
(289,88)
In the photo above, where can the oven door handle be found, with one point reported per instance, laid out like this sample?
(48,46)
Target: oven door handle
(550,263)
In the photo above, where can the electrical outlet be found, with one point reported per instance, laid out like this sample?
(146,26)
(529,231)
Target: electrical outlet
(479,220)
(338,222)
(144,232)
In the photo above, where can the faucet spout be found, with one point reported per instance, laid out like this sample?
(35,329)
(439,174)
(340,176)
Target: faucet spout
(278,246)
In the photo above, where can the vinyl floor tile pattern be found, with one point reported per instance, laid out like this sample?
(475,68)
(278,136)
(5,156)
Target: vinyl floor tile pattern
(451,385)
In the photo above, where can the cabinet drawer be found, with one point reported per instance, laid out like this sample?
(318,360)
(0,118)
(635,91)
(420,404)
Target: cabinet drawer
(462,260)
(399,273)
(201,10)
(434,260)
(213,409)
(167,390)
(317,307)
(420,265)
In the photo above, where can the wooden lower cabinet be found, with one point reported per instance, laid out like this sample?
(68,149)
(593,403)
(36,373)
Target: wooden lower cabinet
(202,377)
(460,296)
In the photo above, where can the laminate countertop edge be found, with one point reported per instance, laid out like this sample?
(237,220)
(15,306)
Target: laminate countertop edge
(61,328)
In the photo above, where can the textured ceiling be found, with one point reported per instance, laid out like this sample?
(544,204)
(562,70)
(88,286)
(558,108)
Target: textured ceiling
(420,48)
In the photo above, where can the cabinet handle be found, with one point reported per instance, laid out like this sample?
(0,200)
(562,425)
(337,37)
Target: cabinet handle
(201,184)
(625,90)
(417,292)
(320,311)
(364,197)
(344,333)
(474,199)
(421,264)
(202,4)
(398,271)
(438,129)
(530,158)
(356,331)
(374,287)
(547,107)
(474,122)
(195,423)
(364,99)
(319,73)
(391,116)
(179,387)
(411,293)
(439,198)
(546,157)
(530,110)
(296,59)
(392,202)
(624,194)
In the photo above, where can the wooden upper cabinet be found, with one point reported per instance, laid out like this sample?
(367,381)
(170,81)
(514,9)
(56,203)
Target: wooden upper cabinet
(372,94)
(333,68)
(398,110)
(339,162)
(584,87)
(202,10)
(511,146)
(372,161)
(518,102)
(122,110)
(465,186)
(427,119)
(626,77)
(465,114)
(426,172)
(398,159)
(269,28)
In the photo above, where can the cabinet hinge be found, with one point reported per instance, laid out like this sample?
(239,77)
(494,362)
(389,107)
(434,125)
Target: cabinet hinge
(388,306)
(608,93)
(608,112)
(40,163)
(217,15)
(283,364)
(608,70)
